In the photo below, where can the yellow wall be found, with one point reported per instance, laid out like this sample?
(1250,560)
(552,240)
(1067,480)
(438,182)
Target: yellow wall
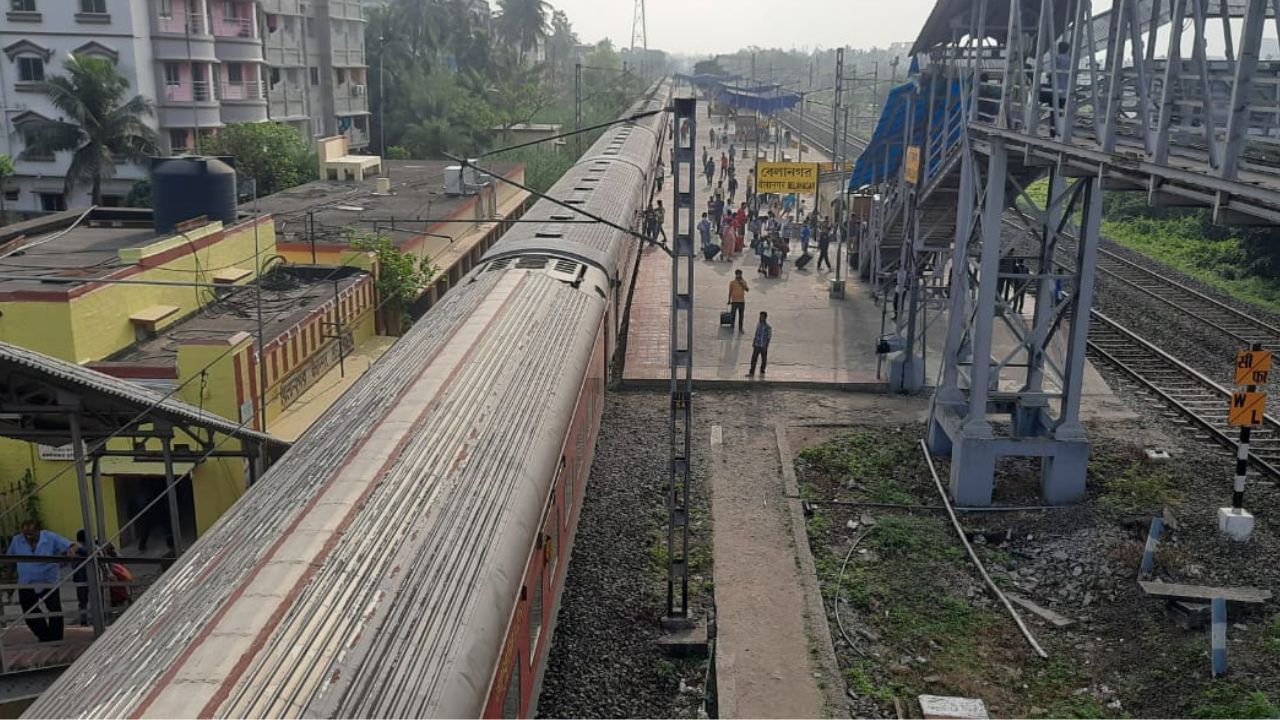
(96,324)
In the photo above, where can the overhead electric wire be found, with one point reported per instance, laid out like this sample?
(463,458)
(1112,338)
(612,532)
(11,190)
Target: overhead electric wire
(51,238)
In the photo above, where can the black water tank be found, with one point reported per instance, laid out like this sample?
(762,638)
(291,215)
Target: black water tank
(184,188)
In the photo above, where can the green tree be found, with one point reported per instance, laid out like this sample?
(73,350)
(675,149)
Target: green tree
(273,154)
(401,276)
(6,172)
(524,23)
(436,114)
(102,127)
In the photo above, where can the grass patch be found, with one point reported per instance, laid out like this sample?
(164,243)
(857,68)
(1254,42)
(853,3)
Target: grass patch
(1271,636)
(1134,486)
(881,462)
(1229,700)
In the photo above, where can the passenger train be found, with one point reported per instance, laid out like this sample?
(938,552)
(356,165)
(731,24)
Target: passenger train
(406,557)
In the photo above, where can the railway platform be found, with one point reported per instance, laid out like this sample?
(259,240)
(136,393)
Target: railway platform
(818,341)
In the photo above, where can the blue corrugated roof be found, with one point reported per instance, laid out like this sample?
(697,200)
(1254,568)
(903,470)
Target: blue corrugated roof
(883,155)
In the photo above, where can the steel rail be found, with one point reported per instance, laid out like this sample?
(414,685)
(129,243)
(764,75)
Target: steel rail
(1182,387)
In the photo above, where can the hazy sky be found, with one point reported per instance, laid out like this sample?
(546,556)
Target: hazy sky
(709,26)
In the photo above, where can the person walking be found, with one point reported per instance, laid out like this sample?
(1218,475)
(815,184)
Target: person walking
(824,242)
(724,166)
(760,345)
(704,233)
(732,147)
(659,223)
(38,581)
(738,299)
(710,170)
(733,188)
(661,173)
(804,238)
(712,137)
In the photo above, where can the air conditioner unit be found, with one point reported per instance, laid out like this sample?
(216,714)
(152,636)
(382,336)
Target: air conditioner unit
(357,90)
(473,176)
(453,184)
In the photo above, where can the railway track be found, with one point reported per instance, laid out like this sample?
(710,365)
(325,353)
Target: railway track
(818,132)
(1186,391)
(1230,321)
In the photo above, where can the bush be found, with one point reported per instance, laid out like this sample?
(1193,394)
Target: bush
(273,154)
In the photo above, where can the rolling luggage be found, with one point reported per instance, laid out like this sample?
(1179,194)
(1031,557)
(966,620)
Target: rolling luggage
(710,251)
(726,318)
(803,260)
(775,267)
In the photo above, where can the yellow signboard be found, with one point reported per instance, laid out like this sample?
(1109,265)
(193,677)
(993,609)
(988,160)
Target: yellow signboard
(791,177)
(913,164)
(830,167)
(1247,409)
(1253,367)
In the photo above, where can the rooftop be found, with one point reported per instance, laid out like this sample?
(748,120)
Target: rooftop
(337,207)
(56,247)
(289,294)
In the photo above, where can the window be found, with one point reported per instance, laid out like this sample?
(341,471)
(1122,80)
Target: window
(23,5)
(11,195)
(235,73)
(341,74)
(30,69)
(552,539)
(511,701)
(230,9)
(311,27)
(93,6)
(568,489)
(535,616)
(315,76)
(172,74)
(112,201)
(166,8)
(177,140)
(275,77)
(53,202)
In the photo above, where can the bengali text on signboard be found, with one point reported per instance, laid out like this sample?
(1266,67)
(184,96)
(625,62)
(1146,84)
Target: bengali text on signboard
(791,177)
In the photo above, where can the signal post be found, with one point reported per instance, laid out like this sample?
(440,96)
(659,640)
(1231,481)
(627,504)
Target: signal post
(1248,407)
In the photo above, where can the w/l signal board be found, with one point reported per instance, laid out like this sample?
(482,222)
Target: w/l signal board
(1249,406)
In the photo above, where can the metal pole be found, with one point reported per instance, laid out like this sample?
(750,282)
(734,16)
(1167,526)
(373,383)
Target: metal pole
(175,524)
(93,568)
(262,340)
(382,103)
(679,474)
(577,107)
(99,510)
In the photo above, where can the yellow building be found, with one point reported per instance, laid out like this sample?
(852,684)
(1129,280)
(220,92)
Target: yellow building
(177,312)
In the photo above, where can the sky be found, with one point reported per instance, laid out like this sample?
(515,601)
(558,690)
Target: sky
(722,26)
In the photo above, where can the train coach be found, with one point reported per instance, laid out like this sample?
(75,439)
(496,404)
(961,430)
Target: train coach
(406,557)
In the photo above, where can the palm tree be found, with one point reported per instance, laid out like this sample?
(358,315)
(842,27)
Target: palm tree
(101,128)
(523,22)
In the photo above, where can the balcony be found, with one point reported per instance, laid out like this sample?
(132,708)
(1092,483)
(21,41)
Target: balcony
(248,90)
(197,91)
(239,27)
(182,24)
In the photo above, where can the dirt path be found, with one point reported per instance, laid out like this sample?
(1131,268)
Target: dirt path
(763,644)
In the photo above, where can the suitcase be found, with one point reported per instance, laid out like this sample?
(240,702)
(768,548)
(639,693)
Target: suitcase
(775,267)
(726,318)
(710,251)
(803,260)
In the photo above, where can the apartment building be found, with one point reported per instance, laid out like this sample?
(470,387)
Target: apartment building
(317,77)
(203,63)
